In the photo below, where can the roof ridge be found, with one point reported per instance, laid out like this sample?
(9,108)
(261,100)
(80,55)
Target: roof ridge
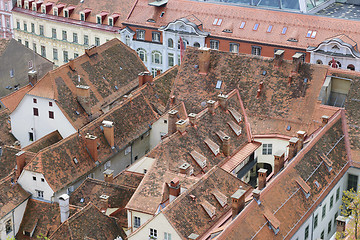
(108,184)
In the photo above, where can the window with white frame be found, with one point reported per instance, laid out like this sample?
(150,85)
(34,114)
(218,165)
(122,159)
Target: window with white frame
(155,36)
(256,50)
(214,44)
(127,40)
(8,226)
(107,164)
(142,54)
(156,57)
(170,43)
(66,56)
(111,21)
(170,59)
(234,47)
(140,34)
(267,149)
(167,236)
(70,190)
(153,233)
(137,222)
(97,41)
(39,194)
(155,72)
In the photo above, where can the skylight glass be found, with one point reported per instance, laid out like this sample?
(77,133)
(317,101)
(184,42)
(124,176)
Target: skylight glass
(218,84)
(269,28)
(313,35)
(242,25)
(284,30)
(256,26)
(308,34)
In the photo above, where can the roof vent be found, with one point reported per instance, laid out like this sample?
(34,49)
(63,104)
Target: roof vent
(213,146)
(274,223)
(209,209)
(304,186)
(199,159)
(292,40)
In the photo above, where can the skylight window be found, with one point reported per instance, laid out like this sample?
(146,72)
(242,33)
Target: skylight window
(284,30)
(242,25)
(308,34)
(256,26)
(218,84)
(313,35)
(217,21)
(269,28)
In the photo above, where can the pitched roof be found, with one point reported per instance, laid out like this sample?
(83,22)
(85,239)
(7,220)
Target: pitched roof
(7,160)
(283,201)
(15,62)
(41,217)
(88,223)
(245,73)
(44,142)
(214,183)
(12,100)
(110,71)
(232,16)
(129,179)
(6,137)
(11,195)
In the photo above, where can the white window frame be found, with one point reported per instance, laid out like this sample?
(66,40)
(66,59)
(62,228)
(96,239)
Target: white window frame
(142,54)
(214,44)
(267,149)
(39,194)
(256,50)
(137,222)
(234,47)
(156,57)
(140,34)
(153,233)
(155,36)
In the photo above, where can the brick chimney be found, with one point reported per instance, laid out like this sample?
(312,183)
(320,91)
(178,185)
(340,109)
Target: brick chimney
(109,132)
(172,119)
(262,178)
(20,162)
(181,126)
(301,136)
(341,225)
(222,98)
(72,64)
(237,202)
(91,144)
(279,158)
(192,119)
(292,147)
(211,106)
(174,189)
(83,97)
(226,145)
(104,203)
(296,62)
(108,175)
(325,120)
(256,194)
(204,60)
(145,77)
(64,207)
(279,56)
(172,100)
(32,77)
(90,51)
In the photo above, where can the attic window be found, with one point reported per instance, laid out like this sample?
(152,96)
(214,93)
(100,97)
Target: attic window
(304,186)
(256,26)
(98,19)
(162,14)
(284,30)
(209,209)
(242,25)
(313,35)
(75,160)
(151,20)
(217,21)
(218,84)
(82,16)
(292,40)
(213,146)
(269,28)
(308,34)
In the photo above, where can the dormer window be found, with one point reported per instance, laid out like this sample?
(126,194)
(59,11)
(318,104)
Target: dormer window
(111,21)
(19,3)
(26,5)
(43,9)
(55,11)
(101,17)
(34,6)
(66,13)
(98,19)
(82,16)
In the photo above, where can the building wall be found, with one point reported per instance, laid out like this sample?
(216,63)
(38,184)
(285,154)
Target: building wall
(159,223)
(29,38)
(16,216)
(28,183)
(159,129)
(23,120)
(6,22)
(131,216)
(277,145)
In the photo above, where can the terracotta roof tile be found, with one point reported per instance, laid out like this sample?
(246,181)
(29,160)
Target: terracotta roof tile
(7,160)
(44,142)
(6,137)
(130,179)
(12,100)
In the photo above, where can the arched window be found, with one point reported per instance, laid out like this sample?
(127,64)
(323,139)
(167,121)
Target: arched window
(319,62)
(336,65)
(127,40)
(196,44)
(170,43)
(156,57)
(186,42)
(351,67)
(142,54)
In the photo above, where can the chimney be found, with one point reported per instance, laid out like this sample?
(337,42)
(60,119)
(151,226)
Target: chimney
(181,126)
(279,56)
(325,120)
(108,175)
(172,119)
(226,145)
(83,97)
(72,64)
(64,207)
(256,195)
(222,98)
(204,60)
(258,93)
(185,168)
(90,51)
(341,225)
(20,162)
(192,119)
(32,77)
(279,159)
(172,100)
(262,178)
(292,147)
(109,132)
(296,62)
(301,137)
(104,203)
(237,202)
(174,189)
(91,144)
(145,77)
(211,106)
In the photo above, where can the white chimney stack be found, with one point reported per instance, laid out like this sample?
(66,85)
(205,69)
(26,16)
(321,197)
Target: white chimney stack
(64,207)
